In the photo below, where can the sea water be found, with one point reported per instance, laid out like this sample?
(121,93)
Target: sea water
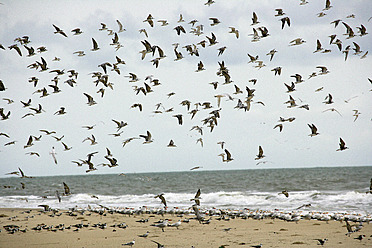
(335,189)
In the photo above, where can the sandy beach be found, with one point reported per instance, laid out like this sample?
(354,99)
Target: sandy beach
(112,229)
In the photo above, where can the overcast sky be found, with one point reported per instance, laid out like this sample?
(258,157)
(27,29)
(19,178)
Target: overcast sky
(242,131)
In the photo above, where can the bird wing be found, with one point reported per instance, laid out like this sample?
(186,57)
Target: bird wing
(22,174)
(67,189)
(198,194)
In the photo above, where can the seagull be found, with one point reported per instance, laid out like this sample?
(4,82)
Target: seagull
(197,198)
(280,126)
(131,243)
(90,99)
(161,197)
(66,189)
(328,99)
(260,153)
(342,145)
(356,114)
(161,225)
(149,19)
(76,31)
(215,21)
(333,110)
(285,20)
(179,117)
(318,46)
(313,130)
(121,29)
(29,142)
(171,144)
(290,88)
(120,124)
(163,22)
(328,5)
(23,174)
(321,241)
(234,31)
(285,192)
(271,53)
(196,167)
(95,45)
(147,138)
(254,19)
(145,235)
(66,148)
(53,153)
(92,140)
(257,246)
(59,31)
(228,156)
(297,41)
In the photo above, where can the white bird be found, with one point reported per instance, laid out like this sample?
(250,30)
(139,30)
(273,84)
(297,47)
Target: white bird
(176,224)
(161,225)
(197,198)
(131,243)
(53,153)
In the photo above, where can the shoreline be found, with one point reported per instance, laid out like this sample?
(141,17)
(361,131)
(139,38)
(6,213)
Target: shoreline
(109,227)
(198,170)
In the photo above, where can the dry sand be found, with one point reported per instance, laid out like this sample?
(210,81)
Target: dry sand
(242,233)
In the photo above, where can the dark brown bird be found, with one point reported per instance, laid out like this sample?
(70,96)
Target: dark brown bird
(161,197)
(342,145)
(179,117)
(260,153)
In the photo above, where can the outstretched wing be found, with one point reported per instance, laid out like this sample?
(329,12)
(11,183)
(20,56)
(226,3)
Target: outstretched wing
(67,189)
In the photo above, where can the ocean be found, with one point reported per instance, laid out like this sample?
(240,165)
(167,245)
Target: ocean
(335,189)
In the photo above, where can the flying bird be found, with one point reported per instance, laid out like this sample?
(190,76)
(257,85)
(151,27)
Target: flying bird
(179,117)
(171,144)
(147,137)
(342,145)
(95,45)
(53,153)
(90,99)
(161,197)
(314,130)
(260,153)
(59,31)
(285,192)
(197,197)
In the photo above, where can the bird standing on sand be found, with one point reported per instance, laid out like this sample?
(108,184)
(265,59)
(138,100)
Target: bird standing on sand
(321,241)
(257,246)
(145,235)
(131,243)
(161,225)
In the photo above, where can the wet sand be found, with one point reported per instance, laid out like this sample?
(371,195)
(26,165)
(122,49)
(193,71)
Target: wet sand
(235,232)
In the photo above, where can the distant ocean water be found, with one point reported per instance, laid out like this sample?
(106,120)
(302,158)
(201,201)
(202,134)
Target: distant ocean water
(335,189)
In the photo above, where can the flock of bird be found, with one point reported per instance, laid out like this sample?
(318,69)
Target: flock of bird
(352,223)
(102,80)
